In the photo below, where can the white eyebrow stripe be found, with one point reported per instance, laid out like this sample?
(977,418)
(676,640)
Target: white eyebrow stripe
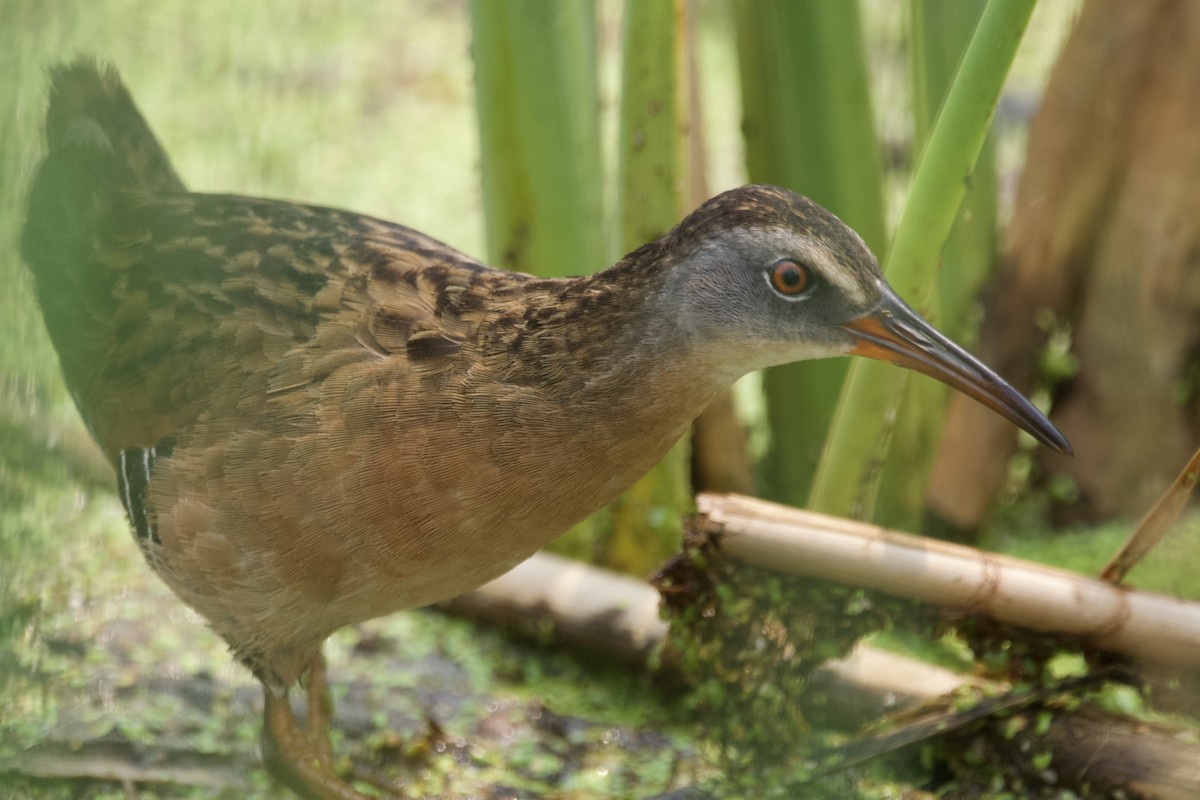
(840,276)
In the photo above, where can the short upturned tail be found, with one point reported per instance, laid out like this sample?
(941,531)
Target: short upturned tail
(98,148)
(100,158)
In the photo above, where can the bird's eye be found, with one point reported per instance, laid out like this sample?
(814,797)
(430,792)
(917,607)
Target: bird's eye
(789,278)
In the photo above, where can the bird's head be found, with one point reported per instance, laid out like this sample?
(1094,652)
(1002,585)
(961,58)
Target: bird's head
(761,276)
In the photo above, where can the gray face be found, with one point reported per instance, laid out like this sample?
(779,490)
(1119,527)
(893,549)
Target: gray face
(761,276)
(772,280)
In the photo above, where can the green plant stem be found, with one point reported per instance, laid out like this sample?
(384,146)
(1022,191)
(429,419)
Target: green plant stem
(847,478)
(538,109)
(941,30)
(809,126)
(652,193)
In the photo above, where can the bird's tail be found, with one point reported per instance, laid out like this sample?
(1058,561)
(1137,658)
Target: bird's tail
(98,148)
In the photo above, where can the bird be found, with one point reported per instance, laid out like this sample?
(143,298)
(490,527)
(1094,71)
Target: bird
(317,417)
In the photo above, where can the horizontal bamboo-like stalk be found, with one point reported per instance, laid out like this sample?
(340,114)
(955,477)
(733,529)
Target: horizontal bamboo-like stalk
(1145,626)
(590,607)
(617,616)
(606,612)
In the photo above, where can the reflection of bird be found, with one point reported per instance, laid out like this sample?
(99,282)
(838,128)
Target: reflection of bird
(318,417)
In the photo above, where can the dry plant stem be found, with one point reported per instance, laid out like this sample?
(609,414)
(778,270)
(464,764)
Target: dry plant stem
(1145,626)
(589,607)
(616,616)
(1138,758)
(1109,181)
(126,762)
(1155,524)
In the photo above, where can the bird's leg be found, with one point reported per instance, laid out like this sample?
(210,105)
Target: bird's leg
(320,708)
(302,757)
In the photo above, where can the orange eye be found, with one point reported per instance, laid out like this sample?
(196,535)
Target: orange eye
(789,278)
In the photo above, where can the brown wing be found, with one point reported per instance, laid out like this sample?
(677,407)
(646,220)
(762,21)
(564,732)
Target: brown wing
(209,306)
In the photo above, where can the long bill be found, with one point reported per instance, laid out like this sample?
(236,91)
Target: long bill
(893,332)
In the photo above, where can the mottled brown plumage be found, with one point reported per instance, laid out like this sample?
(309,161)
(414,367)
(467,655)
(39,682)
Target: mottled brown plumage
(318,417)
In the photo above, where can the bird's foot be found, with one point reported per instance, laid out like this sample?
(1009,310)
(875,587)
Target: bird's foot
(302,757)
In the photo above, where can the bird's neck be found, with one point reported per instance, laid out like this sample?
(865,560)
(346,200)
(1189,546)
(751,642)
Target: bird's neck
(610,340)
(600,356)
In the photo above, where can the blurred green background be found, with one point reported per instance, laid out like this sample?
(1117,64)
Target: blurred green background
(368,105)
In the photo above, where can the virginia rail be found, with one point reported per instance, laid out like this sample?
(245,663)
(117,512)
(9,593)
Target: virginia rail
(317,417)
